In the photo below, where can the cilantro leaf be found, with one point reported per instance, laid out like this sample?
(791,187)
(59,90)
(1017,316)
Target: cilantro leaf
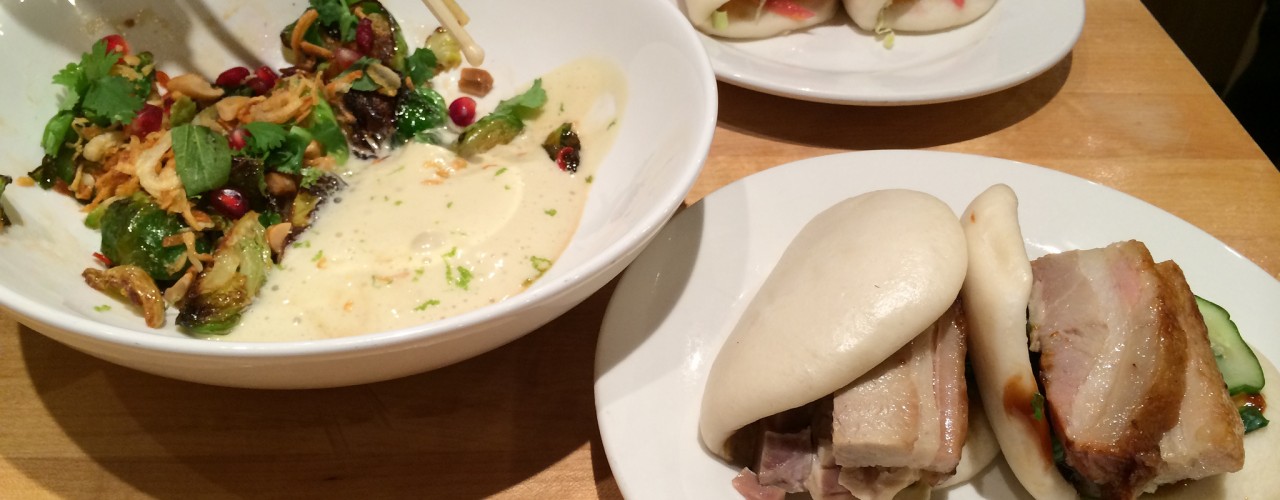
(96,64)
(1252,418)
(203,158)
(310,175)
(55,132)
(73,79)
(523,105)
(324,127)
(112,100)
(421,66)
(364,83)
(264,137)
(337,13)
(288,157)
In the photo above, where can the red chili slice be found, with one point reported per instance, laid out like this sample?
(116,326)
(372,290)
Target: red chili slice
(103,259)
(793,10)
(959,3)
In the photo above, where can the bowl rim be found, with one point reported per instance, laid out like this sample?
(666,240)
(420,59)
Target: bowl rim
(447,328)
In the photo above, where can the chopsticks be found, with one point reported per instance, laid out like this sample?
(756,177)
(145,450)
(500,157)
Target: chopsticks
(450,14)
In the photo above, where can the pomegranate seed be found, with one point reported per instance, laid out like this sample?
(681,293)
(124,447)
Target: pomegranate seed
(264,80)
(364,36)
(230,203)
(102,258)
(233,77)
(148,120)
(463,111)
(567,159)
(116,43)
(238,138)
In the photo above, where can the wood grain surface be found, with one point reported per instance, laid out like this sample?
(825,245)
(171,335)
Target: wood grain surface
(1125,109)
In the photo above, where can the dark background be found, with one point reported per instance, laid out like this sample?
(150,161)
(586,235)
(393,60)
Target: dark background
(1216,36)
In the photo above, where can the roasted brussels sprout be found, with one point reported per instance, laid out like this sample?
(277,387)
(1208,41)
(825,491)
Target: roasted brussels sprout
(564,148)
(222,292)
(133,284)
(134,231)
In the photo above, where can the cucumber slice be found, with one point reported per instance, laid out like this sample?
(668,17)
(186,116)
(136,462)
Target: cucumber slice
(1239,366)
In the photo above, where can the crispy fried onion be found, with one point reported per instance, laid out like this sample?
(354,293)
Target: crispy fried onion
(132,284)
(291,100)
(178,291)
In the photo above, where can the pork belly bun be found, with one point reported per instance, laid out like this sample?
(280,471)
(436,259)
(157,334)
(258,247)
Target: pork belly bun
(915,15)
(1133,398)
(757,18)
(844,376)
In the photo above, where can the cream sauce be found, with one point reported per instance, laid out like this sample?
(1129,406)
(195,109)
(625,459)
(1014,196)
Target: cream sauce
(423,235)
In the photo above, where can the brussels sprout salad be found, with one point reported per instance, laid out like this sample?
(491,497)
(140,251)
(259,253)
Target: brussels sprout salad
(197,187)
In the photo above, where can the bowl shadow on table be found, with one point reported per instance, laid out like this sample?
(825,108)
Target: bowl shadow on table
(470,430)
(887,127)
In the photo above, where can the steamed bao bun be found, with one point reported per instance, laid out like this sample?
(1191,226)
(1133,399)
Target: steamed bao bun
(916,15)
(743,20)
(859,282)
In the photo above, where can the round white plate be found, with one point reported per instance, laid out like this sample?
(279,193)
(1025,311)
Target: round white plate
(676,304)
(838,63)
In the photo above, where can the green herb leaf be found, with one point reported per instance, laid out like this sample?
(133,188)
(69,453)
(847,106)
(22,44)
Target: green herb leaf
(1037,406)
(524,105)
(96,64)
(540,264)
(55,132)
(203,158)
(421,66)
(112,100)
(364,83)
(264,137)
(1252,418)
(423,306)
(324,127)
(336,13)
(550,211)
(310,175)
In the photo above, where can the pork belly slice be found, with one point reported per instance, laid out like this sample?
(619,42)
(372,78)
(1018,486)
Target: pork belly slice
(786,460)
(1209,437)
(748,485)
(1113,361)
(906,417)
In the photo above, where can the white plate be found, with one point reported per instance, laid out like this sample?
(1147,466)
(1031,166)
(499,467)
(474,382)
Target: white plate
(680,299)
(839,63)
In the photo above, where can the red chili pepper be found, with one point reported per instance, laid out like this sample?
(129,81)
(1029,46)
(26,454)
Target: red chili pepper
(103,259)
(788,8)
(116,43)
(959,3)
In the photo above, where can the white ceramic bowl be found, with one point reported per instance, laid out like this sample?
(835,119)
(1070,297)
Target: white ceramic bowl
(666,130)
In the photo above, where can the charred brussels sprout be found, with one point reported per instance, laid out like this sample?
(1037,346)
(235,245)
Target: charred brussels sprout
(564,148)
(488,133)
(419,112)
(222,292)
(134,232)
(133,284)
(4,181)
(503,124)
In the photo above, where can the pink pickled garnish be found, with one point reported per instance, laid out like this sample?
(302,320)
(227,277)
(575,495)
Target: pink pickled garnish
(788,8)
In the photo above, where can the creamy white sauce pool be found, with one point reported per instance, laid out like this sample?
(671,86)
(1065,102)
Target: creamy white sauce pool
(423,235)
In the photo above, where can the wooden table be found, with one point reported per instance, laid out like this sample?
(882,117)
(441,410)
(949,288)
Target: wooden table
(1125,109)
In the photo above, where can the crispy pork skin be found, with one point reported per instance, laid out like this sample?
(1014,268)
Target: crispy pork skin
(1209,437)
(1113,361)
(906,417)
